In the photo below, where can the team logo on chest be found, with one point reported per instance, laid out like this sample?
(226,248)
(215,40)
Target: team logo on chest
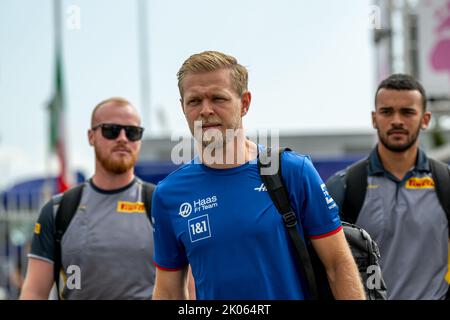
(261,188)
(198,206)
(185,209)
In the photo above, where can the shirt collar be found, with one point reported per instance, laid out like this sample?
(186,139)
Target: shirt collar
(112,191)
(376,167)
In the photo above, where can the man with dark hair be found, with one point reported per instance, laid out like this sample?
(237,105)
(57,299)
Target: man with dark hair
(400,208)
(106,250)
(403,82)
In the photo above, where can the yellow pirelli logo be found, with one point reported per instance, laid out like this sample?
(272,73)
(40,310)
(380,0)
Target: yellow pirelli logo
(37,228)
(420,183)
(130,207)
(447,276)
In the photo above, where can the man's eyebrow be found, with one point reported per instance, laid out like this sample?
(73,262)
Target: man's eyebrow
(401,108)
(218,95)
(192,96)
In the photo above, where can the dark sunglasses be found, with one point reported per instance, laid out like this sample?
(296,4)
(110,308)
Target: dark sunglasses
(112,131)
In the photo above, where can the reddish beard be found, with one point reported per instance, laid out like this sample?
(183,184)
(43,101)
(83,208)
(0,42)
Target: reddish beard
(116,166)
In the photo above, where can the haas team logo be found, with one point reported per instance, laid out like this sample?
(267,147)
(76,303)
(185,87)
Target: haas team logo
(185,209)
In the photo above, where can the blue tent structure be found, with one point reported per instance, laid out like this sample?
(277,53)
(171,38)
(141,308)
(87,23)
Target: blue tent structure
(25,194)
(329,166)
(152,171)
(157,171)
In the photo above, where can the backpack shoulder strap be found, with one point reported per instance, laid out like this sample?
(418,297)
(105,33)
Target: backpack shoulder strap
(355,191)
(278,193)
(273,182)
(147,192)
(441,176)
(66,210)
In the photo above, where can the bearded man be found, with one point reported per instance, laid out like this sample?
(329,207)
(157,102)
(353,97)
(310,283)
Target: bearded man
(400,206)
(106,250)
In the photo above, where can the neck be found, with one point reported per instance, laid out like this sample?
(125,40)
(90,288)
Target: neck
(233,154)
(111,181)
(398,163)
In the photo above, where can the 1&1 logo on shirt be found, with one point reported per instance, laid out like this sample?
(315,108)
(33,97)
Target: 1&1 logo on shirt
(199,228)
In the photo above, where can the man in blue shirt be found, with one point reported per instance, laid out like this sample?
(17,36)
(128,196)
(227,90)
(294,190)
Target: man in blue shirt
(215,214)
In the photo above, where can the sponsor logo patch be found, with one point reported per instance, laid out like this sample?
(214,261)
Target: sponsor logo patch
(330,202)
(420,183)
(37,228)
(199,228)
(130,207)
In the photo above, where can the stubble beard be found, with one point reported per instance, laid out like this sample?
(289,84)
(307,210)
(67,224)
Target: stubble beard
(218,139)
(411,141)
(214,142)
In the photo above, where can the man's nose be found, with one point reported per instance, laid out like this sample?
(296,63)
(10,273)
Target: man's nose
(397,119)
(122,135)
(207,108)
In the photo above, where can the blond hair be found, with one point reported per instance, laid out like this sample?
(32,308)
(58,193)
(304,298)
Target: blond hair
(211,61)
(119,101)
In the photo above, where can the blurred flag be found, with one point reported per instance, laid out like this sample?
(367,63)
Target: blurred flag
(57,136)
(56,107)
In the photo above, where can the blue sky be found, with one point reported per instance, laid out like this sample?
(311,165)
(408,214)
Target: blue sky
(311,67)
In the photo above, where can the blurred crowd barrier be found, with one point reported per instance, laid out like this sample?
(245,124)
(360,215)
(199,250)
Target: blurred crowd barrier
(17,219)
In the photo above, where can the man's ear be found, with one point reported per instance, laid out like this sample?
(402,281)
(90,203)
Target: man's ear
(246,99)
(181,103)
(374,124)
(426,118)
(90,135)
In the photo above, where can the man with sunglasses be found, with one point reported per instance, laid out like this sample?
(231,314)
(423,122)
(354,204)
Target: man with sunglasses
(106,251)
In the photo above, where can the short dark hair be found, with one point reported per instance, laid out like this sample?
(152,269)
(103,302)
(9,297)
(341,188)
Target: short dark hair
(403,82)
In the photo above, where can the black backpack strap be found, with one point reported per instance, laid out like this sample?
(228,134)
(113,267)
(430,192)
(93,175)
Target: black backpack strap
(355,191)
(278,194)
(147,192)
(66,210)
(441,176)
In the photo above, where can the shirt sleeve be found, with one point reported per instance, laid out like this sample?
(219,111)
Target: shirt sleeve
(309,196)
(43,241)
(169,253)
(336,187)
